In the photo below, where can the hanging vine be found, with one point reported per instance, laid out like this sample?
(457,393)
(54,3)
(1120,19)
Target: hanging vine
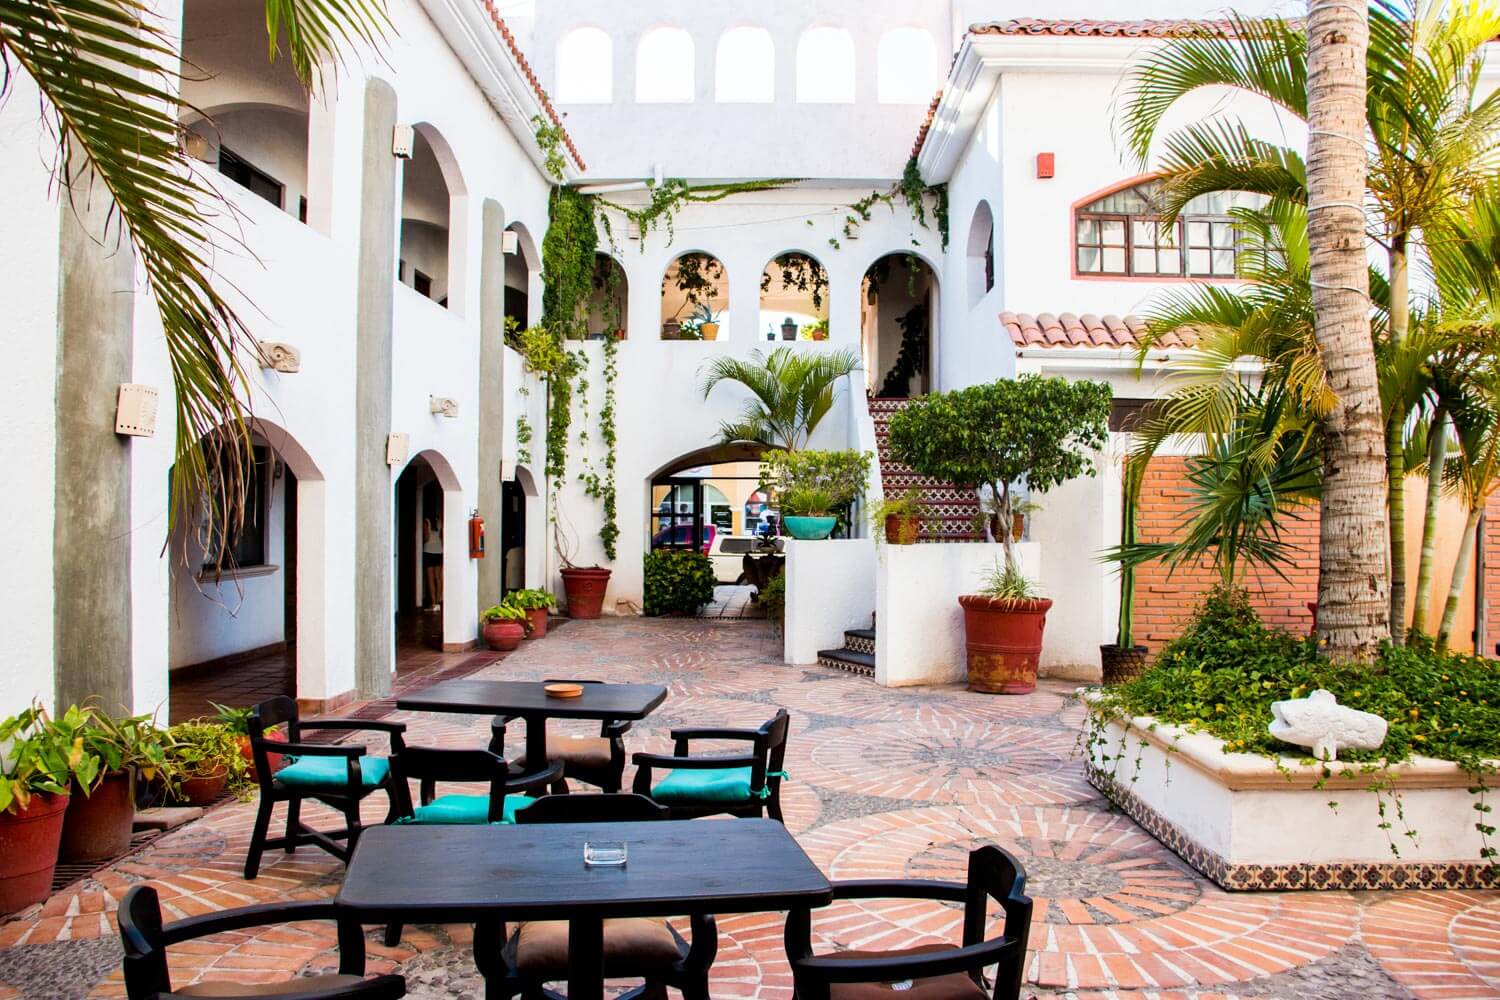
(799,271)
(910,189)
(601,485)
(667,199)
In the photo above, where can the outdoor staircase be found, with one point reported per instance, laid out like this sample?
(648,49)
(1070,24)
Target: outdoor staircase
(857,654)
(954,510)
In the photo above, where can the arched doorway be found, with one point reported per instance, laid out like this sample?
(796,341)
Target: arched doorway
(521,526)
(706,501)
(429,529)
(523,269)
(898,314)
(244,627)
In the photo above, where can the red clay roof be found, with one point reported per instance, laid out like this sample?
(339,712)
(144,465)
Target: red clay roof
(927,122)
(1185,28)
(1088,330)
(536,85)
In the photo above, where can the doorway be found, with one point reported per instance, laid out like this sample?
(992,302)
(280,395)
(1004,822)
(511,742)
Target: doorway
(419,563)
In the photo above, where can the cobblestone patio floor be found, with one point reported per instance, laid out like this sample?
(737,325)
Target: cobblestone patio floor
(884,783)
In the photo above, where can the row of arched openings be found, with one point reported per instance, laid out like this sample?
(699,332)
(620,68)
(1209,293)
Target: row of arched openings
(744,69)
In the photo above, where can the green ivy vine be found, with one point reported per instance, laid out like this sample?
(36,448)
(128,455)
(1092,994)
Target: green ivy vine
(667,199)
(601,485)
(913,190)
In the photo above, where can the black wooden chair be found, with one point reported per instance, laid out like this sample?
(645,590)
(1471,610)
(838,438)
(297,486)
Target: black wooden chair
(746,785)
(339,776)
(645,948)
(510,791)
(928,972)
(146,943)
(593,760)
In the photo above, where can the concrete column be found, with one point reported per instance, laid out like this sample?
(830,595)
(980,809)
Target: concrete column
(491,394)
(374,610)
(91,530)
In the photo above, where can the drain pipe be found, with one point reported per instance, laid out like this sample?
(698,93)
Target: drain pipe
(657,178)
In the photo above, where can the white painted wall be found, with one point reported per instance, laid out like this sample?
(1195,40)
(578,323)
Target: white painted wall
(919,632)
(830,587)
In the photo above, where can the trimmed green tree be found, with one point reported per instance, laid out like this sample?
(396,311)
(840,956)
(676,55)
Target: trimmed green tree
(1041,431)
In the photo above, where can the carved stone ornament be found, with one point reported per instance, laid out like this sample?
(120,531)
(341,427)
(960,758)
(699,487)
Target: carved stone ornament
(1320,723)
(279,357)
(443,406)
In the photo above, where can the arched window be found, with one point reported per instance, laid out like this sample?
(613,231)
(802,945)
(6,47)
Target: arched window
(609,300)
(745,67)
(906,66)
(430,181)
(981,254)
(664,66)
(1121,234)
(694,298)
(585,67)
(794,298)
(825,66)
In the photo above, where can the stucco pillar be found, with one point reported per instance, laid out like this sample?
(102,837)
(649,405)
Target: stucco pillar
(91,530)
(374,611)
(491,394)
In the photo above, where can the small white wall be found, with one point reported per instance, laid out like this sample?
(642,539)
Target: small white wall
(1077,521)
(830,587)
(919,631)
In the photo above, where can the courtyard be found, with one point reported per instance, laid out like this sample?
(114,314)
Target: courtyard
(883,783)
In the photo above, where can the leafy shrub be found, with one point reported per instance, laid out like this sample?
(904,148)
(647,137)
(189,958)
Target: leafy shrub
(531,599)
(1007,583)
(40,757)
(773,598)
(677,580)
(506,612)
(1221,675)
(202,748)
(841,475)
(805,501)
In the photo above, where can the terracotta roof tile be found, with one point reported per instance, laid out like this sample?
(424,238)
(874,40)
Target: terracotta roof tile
(927,122)
(1101,29)
(530,75)
(1070,330)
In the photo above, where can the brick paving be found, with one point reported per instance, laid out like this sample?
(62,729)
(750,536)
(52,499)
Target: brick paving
(885,783)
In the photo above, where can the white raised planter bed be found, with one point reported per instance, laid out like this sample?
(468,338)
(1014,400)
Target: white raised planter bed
(1249,822)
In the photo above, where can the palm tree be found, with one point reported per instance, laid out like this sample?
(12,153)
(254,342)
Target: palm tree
(1432,141)
(108,72)
(791,392)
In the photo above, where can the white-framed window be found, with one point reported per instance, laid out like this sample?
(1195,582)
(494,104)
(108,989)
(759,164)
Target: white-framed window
(1121,234)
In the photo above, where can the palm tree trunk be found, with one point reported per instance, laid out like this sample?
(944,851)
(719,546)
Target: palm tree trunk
(1395,470)
(1460,576)
(1437,456)
(1353,581)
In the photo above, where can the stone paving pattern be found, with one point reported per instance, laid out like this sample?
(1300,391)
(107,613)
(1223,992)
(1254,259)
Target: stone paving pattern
(884,783)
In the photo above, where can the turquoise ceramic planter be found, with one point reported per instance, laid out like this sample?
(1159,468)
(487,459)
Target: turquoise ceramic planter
(809,529)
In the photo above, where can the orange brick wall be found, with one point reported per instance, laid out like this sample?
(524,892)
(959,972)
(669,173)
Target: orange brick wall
(1490,576)
(1163,604)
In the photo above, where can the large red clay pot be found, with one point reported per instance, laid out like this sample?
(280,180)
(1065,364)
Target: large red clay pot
(504,635)
(98,825)
(29,839)
(202,790)
(1004,642)
(538,618)
(585,588)
(902,529)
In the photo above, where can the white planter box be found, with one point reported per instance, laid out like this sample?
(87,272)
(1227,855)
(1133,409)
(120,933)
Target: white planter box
(1249,822)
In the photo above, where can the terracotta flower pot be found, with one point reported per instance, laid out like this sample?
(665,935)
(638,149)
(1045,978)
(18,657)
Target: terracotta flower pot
(584,589)
(98,825)
(275,760)
(1122,664)
(1004,641)
(538,618)
(203,789)
(710,331)
(29,840)
(901,529)
(503,635)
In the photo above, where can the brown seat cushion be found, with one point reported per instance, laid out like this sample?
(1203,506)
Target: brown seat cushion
(957,986)
(633,946)
(291,986)
(579,750)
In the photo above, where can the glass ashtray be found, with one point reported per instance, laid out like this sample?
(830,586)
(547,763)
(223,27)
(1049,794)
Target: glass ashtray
(604,853)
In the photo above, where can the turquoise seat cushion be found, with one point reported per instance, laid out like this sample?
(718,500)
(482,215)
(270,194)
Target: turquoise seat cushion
(724,784)
(455,809)
(321,772)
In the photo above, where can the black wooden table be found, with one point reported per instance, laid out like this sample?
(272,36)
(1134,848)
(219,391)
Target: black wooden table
(486,875)
(529,701)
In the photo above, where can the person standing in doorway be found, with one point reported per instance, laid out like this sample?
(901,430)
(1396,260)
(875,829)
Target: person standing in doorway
(432,561)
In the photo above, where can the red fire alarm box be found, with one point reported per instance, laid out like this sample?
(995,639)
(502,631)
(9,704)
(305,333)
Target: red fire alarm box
(1046,165)
(476,536)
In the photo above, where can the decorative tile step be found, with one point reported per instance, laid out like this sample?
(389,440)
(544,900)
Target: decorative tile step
(860,640)
(848,659)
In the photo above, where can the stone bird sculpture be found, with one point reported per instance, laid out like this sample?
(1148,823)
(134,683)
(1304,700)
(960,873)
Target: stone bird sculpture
(1321,723)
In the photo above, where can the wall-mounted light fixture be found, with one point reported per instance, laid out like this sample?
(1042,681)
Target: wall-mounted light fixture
(135,410)
(403,141)
(510,242)
(396,447)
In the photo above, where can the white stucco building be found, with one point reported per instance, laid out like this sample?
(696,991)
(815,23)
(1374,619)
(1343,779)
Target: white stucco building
(390,276)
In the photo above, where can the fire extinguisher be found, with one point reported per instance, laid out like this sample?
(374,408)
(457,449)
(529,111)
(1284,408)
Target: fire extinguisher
(476,536)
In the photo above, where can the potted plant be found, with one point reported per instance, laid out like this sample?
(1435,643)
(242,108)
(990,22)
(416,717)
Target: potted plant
(900,518)
(536,603)
(101,813)
(815,489)
(203,758)
(504,626)
(707,321)
(36,771)
(676,582)
(817,330)
(237,721)
(789,329)
(584,587)
(1040,431)
(1123,660)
